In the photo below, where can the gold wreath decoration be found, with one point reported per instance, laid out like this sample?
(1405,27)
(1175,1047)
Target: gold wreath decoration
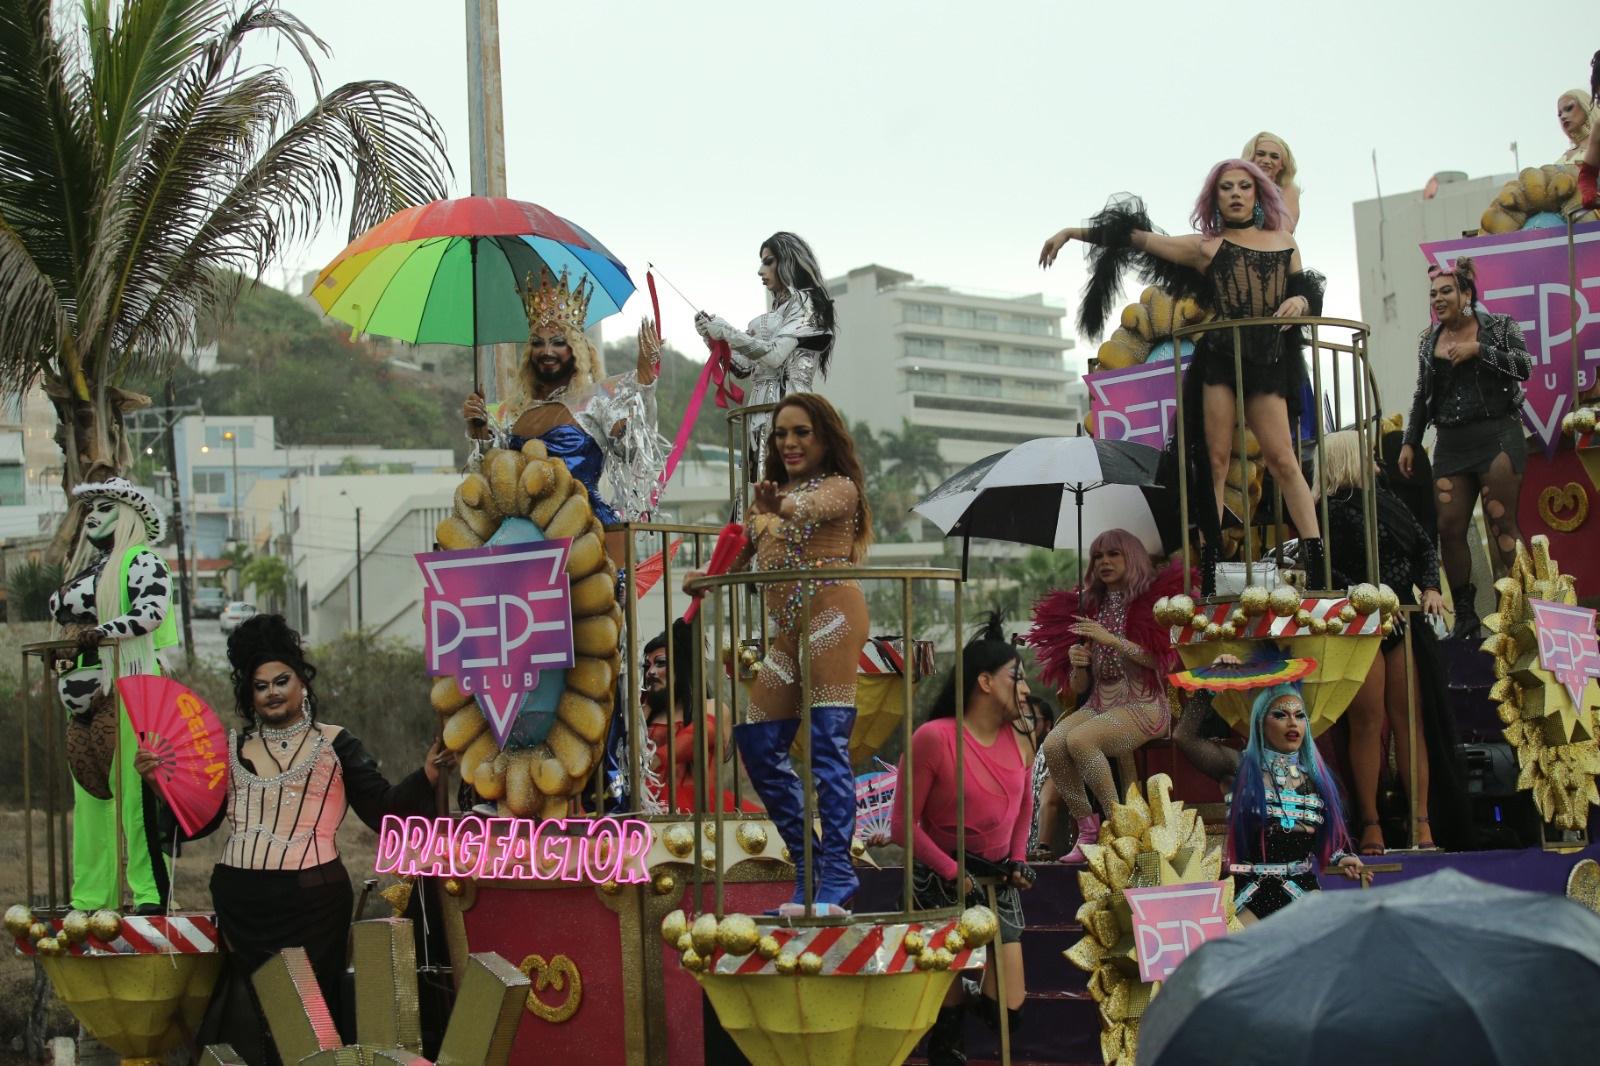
(1557,756)
(1553,187)
(559,973)
(1154,841)
(538,781)
(1569,497)
(1145,324)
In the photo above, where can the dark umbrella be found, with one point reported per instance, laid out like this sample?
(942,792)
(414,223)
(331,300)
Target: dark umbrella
(1036,494)
(1441,969)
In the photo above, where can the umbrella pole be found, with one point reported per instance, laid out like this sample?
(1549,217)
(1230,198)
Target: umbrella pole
(966,555)
(1077,495)
(477,379)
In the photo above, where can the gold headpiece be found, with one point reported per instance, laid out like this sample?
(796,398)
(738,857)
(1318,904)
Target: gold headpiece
(552,302)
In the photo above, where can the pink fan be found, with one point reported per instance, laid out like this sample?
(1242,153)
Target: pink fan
(875,804)
(177,726)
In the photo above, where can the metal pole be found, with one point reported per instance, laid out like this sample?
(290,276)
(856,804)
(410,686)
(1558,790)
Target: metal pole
(185,603)
(1244,463)
(360,597)
(808,783)
(486,138)
(636,722)
(1411,732)
(961,758)
(1322,519)
(1183,467)
(29,704)
(233,438)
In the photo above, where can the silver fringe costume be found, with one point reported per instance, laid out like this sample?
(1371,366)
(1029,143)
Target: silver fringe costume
(778,353)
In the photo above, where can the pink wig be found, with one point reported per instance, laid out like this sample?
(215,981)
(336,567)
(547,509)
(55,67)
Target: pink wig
(1206,218)
(1137,578)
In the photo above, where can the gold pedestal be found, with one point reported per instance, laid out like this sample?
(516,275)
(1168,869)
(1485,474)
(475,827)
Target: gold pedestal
(140,1006)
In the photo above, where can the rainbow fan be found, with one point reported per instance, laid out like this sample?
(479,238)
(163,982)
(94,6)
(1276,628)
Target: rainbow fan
(1237,677)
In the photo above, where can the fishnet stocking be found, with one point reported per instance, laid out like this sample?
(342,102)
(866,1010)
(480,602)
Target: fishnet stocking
(1456,496)
(1078,753)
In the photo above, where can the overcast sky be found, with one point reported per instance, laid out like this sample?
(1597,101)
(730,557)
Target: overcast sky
(949,139)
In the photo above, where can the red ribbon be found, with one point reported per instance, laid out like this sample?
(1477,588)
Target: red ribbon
(716,372)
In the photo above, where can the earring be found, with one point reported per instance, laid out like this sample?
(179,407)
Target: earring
(305,704)
(1258,216)
(1216,218)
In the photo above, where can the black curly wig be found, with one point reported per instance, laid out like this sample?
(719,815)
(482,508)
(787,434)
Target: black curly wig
(266,638)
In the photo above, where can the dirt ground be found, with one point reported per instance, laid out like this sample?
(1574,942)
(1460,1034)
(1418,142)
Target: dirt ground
(191,892)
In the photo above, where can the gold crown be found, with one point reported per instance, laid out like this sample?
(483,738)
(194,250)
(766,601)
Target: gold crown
(552,301)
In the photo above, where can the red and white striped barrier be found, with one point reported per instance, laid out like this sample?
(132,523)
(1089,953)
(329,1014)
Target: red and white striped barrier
(886,655)
(180,934)
(1276,626)
(851,949)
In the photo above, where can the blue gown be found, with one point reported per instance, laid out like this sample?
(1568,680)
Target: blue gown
(583,457)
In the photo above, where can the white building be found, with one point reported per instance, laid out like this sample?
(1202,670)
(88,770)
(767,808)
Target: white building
(984,371)
(1394,275)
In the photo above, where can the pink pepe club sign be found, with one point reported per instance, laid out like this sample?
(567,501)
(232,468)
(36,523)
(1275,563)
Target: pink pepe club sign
(1567,645)
(495,618)
(1135,404)
(1525,275)
(1171,921)
(593,850)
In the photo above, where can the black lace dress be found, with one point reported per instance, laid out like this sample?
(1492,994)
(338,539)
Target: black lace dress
(1246,283)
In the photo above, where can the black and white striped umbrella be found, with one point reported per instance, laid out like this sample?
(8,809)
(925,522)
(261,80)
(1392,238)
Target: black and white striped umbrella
(1054,492)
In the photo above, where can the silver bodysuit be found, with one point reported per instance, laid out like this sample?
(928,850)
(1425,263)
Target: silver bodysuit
(778,353)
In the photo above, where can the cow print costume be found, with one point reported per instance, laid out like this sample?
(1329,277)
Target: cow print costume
(149,584)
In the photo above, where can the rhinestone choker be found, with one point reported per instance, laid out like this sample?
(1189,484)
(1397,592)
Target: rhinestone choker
(282,737)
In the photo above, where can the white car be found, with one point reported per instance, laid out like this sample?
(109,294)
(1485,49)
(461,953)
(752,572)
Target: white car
(236,614)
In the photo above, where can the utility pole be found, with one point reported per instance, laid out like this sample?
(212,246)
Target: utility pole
(184,603)
(486,139)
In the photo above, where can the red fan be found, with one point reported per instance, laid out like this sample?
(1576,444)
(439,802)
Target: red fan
(730,542)
(176,725)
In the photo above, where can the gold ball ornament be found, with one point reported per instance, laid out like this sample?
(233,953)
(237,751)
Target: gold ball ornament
(1364,598)
(703,932)
(610,888)
(1569,422)
(786,963)
(711,831)
(1253,600)
(1199,622)
(1386,628)
(768,947)
(1180,607)
(1584,419)
(452,887)
(978,925)
(1334,626)
(1227,631)
(663,883)
(51,946)
(954,942)
(749,656)
(1319,626)
(1239,618)
(752,837)
(18,918)
(708,859)
(685,942)
(737,934)
(1388,599)
(1284,600)
(924,959)
(1302,618)
(1213,631)
(809,963)
(1348,613)
(678,840)
(914,942)
(943,959)
(1160,610)
(692,961)
(858,847)
(674,925)
(38,931)
(75,926)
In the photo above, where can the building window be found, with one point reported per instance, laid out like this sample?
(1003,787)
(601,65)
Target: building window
(210,482)
(925,347)
(973,385)
(961,317)
(987,320)
(922,381)
(928,314)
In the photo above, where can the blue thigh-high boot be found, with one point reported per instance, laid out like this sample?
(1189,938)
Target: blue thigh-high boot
(764,747)
(836,803)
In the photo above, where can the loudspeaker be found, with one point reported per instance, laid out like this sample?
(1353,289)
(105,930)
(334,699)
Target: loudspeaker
(1502,815)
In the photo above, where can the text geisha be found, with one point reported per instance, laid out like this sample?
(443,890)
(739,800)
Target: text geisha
(597,850)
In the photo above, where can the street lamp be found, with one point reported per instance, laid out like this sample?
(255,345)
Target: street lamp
(233,438)
(360,621)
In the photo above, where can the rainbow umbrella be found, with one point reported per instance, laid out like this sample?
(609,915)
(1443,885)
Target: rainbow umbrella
(452,272)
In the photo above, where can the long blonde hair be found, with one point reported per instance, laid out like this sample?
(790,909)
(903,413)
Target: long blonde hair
(136,654)
(588,366)
(1286,175)
(1340,463)
(1590,113)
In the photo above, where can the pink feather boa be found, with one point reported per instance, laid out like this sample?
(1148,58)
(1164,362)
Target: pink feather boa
(1056,611)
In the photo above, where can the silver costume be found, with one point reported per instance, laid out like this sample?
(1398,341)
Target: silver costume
(779,353)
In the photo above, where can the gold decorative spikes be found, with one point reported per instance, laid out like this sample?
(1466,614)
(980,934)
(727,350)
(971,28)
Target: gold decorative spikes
(1554,737)
(386,996)
(553,302)
(1149,838)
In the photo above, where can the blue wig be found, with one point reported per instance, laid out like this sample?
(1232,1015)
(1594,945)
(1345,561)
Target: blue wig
(1247,818)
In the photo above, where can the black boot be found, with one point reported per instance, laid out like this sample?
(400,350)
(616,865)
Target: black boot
(1467,624)
(1312,558)
(988,1010)
(947,1044)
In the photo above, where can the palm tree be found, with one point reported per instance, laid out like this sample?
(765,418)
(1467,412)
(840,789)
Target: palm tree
(914,454)
(147,170)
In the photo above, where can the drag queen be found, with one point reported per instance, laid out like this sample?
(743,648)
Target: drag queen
(291,777)
(810,513)
(1575,111)
(1243,263)
(1285,821)
(1271,153)
(783,350)
(120,592)
(597,425)
(1102,639)
(1470,368)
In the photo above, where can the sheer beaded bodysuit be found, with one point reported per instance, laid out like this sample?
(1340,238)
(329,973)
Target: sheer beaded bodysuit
(1127,706)
(821,534)
(1247,283)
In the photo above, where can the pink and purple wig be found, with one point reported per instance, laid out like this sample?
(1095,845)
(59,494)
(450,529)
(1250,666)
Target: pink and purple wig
(1136,578)
(1208,220)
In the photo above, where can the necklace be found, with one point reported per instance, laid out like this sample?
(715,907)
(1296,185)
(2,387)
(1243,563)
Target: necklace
(1248,223)
(1284,767)
(282,737)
